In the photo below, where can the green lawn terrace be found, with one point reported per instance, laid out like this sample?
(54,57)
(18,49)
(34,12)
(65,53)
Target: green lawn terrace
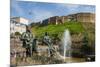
(57,29)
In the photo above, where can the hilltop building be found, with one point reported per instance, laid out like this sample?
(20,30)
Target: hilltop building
(82,17)
(78,17)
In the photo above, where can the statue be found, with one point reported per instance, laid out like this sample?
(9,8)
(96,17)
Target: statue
(27,38)
(47,41)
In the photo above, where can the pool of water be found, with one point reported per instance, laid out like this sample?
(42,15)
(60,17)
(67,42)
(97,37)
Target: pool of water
(73,60)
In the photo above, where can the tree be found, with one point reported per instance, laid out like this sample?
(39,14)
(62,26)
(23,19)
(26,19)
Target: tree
(17,33)
(85,49)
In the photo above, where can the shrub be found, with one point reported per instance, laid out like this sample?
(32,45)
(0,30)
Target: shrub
(77,54)
(17,33)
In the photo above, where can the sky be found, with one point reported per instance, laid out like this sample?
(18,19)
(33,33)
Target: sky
(38,11)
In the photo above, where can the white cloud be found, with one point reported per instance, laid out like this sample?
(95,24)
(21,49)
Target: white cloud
(41,14)
(89,9)
(74,8)
(69,7)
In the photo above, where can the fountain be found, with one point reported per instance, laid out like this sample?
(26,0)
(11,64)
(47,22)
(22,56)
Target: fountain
(66,45)
(64,52)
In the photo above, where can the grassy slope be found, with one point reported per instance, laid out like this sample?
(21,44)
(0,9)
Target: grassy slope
(74,27)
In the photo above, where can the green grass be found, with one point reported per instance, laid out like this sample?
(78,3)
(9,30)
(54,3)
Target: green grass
(74,27)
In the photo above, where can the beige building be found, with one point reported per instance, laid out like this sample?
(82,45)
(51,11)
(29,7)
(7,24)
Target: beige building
(57,20)
(86,17)
(78,17)
(53,20)
(82,17)
(21,20)
(18,24)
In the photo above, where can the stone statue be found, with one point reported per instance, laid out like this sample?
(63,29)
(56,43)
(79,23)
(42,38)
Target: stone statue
(27,38)
(47,41)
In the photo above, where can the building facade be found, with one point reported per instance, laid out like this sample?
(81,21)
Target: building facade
(55,20)
(78,17)
(85,17)
(18,24)
(82,17)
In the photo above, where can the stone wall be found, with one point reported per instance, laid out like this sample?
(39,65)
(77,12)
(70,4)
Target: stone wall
(86,17)
(78,17)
